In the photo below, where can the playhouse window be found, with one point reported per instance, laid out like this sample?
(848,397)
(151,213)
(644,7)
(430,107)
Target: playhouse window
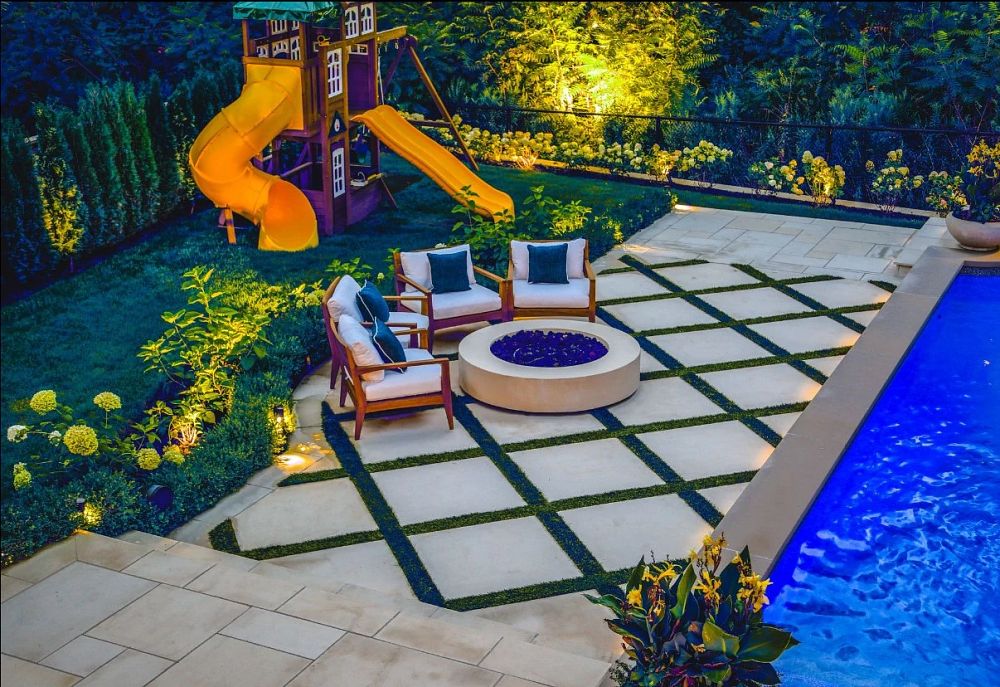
(337,160)
(359,49)
(295,52)
(334,73)
(367,18)
(278,25)
(351,22)
(281,48)
(262,51)
(295,26)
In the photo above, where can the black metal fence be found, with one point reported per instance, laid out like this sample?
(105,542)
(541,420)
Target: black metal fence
(850,146)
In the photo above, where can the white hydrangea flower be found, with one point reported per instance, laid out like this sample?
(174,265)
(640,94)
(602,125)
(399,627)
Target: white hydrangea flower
(55,436)
(17,433)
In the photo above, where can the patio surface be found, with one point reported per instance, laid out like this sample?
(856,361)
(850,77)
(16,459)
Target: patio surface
(359,561)
(509,515)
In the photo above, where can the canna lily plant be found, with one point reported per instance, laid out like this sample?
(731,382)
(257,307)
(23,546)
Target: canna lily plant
(696,628)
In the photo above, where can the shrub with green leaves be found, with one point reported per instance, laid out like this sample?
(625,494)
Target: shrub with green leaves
(892,181)
(698,628)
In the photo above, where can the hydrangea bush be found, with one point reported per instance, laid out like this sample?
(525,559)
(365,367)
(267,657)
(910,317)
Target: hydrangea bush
(943,192)
(892,181)
(823,181)
(773,176)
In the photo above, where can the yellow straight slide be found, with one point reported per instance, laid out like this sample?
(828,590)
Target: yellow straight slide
(434,160)
(220,159)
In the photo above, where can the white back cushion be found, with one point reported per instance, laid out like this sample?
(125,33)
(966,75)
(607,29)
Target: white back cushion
(343,301)
(417,267)
(359,340)
(574,257)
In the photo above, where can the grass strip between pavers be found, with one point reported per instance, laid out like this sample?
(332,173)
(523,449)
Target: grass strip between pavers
(742,364)
(884,285)
(658,265)
(764,319)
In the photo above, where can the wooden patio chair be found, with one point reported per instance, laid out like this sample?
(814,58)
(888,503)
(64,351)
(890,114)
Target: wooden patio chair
(339,298)
(578,298)
(443,310)
(425,381)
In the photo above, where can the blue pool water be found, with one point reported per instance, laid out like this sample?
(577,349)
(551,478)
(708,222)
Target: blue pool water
(893,577)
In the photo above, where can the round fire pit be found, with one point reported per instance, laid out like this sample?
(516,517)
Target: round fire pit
(549,366)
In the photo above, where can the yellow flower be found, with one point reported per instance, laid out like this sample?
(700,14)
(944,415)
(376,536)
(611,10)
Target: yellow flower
(148,458)
(807,157)
(81,440)
(107,401)
(43,401)
(634,597)
(800,180)
(22,477)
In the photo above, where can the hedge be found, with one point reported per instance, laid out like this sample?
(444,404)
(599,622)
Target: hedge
(101,172)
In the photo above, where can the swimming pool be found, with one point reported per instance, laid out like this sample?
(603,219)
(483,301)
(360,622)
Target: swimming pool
(893,576)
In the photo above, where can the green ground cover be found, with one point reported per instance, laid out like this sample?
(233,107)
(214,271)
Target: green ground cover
(80,335)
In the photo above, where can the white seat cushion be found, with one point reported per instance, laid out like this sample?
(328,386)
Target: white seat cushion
(417,267)
(343,301)
(575,294)
(407,317)
(574,257)
(363,350)
(447,305)
(413,381)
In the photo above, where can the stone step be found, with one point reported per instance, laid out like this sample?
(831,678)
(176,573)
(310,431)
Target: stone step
(405,622)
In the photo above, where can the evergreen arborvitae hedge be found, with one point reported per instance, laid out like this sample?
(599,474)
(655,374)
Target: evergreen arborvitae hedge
(164,146)
(64,215)
(86,176)
(26,250)
(92,113)
(134,116)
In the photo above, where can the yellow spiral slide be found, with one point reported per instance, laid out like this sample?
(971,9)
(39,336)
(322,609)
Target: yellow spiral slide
(434,160)
(271,102)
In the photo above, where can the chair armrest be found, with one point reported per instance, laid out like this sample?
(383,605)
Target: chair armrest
(406,298)
(487,274)
(588,271)
(394,325)
(406,280)
(399,366)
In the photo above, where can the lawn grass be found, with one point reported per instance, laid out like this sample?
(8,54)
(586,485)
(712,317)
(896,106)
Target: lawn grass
(80,335)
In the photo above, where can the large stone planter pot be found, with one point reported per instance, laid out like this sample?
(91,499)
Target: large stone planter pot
(974,235)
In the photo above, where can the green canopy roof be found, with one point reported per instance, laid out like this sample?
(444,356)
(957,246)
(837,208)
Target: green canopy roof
(308,12)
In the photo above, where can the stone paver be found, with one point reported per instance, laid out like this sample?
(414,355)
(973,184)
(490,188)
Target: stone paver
(223,661)
(591,467)
(306,511)
(9,586)
(762,387)
(842,292)
(56,610)
(666,312)
(617,535)
(440,638)
(658,400)
(809,334)
(171,569)
(363,662)
(781,423)
(168,622)
(508,427)
(708,276)
(709,346)
(82,656)
(339,611)
(743,305)
(442,490)
(281,632)
(530,555)
(706,450)
(398,437)
(130,668)
(626,285)
(541,664)
(244,588)
(14,671)
(723,497)
(370,564)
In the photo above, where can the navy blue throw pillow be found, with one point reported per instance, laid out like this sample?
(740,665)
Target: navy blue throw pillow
(449,271)
(387,345)
(371,303)
(547,264)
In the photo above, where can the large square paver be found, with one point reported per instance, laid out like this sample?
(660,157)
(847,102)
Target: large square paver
(659,314)
(44,617)
(707,450)
(591,467)
(412,434)
(843,292)
(130,668)
(618,534)
(529,556)
(168,622)
(83,656)
(302,513)
(14,671)
(826,365)
(780,423)
(508,426)
(357,661)
(282,632)
(707,276)
(626,285)
(657,400)
(743,305)
(370,565)
(709,346)
(762,387)
(442,490)
(223,661)
(808,334)
(725,496)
